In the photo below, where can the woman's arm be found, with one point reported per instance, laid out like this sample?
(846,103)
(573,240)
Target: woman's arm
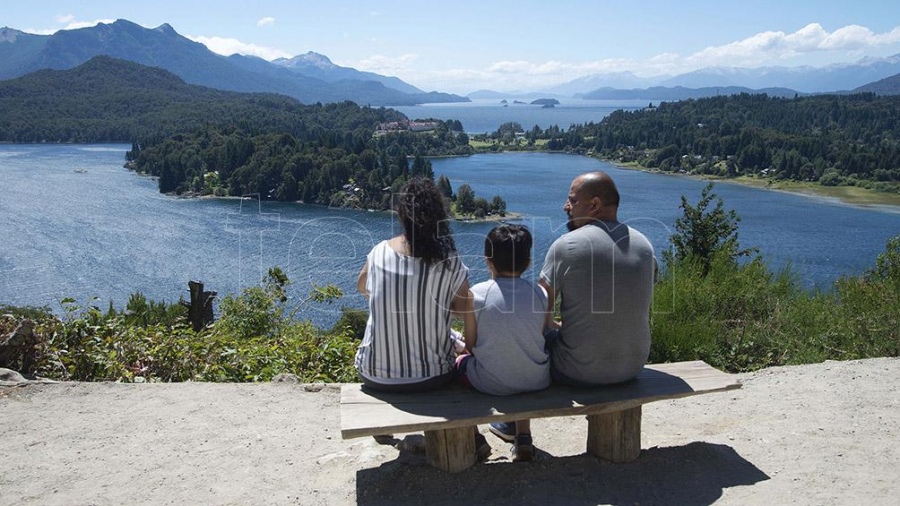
(361,280)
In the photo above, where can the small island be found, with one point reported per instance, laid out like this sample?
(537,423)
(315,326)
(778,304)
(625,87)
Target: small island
(545,102)
(464,205)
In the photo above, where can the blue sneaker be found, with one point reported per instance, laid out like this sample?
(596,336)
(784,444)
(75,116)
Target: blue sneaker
(504,430)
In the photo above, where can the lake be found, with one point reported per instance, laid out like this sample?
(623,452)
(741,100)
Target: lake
(485,116)
(75,223)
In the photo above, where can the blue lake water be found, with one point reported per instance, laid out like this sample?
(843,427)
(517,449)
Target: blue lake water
(75,223)
(485,116)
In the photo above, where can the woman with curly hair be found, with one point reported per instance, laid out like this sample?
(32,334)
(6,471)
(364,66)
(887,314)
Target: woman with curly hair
(413,282)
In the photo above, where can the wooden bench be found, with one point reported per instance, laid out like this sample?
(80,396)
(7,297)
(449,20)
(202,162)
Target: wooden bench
(448,415)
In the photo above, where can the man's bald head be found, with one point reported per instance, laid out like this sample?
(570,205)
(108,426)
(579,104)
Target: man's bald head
(592,196)
(598,184)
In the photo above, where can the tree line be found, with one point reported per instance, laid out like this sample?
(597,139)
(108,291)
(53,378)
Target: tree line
(828,139)
(333,166)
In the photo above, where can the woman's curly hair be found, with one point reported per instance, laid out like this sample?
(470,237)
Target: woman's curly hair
(420,206)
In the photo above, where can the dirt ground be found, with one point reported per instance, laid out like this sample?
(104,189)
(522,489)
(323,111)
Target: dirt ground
(816,434)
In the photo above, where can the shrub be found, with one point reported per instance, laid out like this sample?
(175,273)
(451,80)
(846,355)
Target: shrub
(740,316)
(253,341)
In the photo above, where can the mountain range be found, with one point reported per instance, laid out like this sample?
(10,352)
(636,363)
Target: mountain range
(313,78)
(309,78)
(804,80)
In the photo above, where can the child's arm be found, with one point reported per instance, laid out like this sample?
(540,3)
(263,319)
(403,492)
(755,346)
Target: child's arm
(549,322)
(464,306)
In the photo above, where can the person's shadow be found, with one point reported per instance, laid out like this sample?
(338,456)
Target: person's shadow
(694,474)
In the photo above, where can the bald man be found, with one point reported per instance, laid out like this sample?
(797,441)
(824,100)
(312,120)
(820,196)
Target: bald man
(604,272)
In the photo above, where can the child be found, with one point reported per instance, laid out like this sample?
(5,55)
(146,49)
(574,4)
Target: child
(507,353)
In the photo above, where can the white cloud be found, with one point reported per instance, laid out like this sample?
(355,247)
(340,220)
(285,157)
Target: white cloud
(267,21)
(387,65)
(763,48)
(227,47)
(70,23)
(86,24)
(848,37)
(806,38)
(891,37)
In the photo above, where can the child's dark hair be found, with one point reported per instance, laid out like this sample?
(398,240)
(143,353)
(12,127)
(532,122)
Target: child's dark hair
(509,248)
(420,206)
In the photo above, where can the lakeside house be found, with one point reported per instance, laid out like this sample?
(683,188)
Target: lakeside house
(406,125)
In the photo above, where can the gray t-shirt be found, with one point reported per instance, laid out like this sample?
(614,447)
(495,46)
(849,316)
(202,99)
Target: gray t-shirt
(604,274)
(509,356)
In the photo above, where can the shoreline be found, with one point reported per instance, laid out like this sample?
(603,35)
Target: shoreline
(847,195)
(486,219)
(491,218)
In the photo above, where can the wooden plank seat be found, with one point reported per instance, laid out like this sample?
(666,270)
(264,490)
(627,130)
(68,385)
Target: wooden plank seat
(448,415)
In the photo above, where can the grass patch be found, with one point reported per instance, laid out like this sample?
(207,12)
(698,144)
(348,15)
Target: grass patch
(742,317)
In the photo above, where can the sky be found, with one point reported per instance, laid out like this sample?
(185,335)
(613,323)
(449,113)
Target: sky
(467,45)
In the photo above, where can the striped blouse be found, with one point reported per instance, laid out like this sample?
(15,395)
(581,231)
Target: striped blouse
(407,334)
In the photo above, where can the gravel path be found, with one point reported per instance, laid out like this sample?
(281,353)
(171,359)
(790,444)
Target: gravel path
(816,434)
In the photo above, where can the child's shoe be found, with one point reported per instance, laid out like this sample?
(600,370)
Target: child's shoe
(504,430)
(523,449)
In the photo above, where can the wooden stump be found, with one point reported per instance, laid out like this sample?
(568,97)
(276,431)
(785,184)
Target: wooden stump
(615,436)
(200,308)
(450,450)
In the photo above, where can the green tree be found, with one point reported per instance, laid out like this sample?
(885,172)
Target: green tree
(443,185)
(498,205)
(482,207)
(701,234)
(422,167)
(258,311)
(507,131)
(465,199)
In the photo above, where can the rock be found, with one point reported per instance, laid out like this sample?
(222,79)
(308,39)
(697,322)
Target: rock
(314,387)
(18,347)
(10,376)
(285,377)
(414,443)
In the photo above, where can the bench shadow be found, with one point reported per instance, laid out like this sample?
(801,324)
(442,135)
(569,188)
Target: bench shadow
(694,474)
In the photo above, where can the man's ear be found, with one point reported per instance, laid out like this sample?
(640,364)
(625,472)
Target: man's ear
(596,203)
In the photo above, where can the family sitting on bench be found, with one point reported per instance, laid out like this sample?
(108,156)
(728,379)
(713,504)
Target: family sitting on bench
(602,271)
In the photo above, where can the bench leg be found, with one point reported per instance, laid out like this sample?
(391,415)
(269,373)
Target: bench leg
(615,436)
(450,450)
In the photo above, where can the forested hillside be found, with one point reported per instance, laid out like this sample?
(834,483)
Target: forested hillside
(829,139)
(887,86)
(338,166)
(111,100)
(197,139)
